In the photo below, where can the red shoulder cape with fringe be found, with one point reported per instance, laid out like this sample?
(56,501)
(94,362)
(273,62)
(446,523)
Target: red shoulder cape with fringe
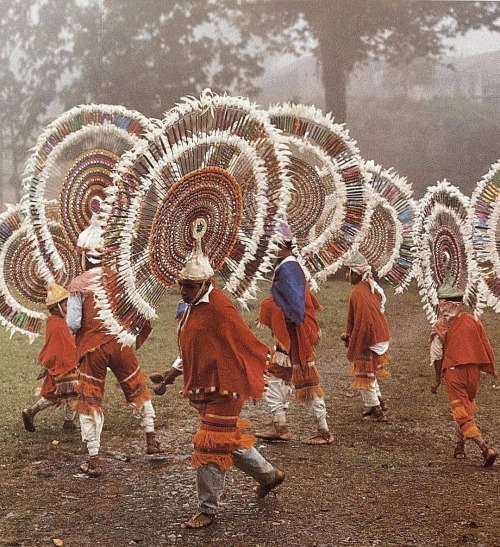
(466,342)
(58,354)
(366,324)
(220,352)
(308,332)
(92,332)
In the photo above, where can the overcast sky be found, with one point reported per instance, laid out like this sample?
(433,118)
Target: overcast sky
(477,41)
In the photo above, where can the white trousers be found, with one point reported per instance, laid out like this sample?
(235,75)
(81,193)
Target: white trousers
(43,403)
(370,397)
(91,426)
(278,395)
(210,478)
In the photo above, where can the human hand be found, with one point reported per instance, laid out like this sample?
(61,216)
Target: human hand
(170,375)
(345,338)
(156,377)
(160,389)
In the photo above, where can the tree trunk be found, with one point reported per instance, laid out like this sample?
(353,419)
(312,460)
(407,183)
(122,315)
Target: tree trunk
(334,82)
(332,54)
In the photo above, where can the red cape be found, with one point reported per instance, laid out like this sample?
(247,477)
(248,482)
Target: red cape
(219,350)
(92,332)
(366,324)
(466,342)
(308,331)
(58,354)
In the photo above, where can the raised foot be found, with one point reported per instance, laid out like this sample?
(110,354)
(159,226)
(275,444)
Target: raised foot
(489,456)
(263,489)
(28,421)
(200,520)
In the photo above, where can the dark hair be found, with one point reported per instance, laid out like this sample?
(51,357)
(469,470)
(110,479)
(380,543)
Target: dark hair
(453,298)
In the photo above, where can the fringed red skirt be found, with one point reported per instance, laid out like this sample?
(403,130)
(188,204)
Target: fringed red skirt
(220,432)
(367,367)
(92,375)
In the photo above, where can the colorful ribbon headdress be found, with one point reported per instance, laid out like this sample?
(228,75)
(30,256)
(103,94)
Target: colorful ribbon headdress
(388,244)
(329,206)
(70,166)
(485,221)
(218,158)
(443,237)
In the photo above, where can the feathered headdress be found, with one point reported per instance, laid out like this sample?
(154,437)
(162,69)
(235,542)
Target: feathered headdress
(22,288)
(388,244)
(484,219)
(443,237)
(70,166)
(217,158)
(329,207)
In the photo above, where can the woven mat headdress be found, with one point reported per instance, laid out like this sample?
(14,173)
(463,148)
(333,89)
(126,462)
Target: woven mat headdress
(70,166)
(217,158)
(22,288)
(329,206)
(443,237)
(484,218)
(388,244)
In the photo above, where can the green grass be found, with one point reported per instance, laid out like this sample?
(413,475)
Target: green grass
(408,351)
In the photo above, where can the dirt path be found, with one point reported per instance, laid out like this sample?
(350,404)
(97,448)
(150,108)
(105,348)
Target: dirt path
(378,484)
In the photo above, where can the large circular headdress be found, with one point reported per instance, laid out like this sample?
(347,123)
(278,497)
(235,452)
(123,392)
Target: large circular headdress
(329,204)
(485,214)
(443,237)
(22,288)
(71,165)
(217,158)
(388,245)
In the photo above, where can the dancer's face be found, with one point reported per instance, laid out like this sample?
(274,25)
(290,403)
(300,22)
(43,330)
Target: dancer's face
(351,277)
(190,290)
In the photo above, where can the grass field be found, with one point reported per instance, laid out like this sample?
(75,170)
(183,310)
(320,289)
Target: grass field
(393,484)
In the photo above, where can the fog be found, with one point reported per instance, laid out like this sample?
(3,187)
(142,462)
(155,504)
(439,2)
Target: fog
(414,98)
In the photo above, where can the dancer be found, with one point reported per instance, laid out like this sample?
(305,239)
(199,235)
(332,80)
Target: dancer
(58,357)
(460,351)
(223,365)
(290,312)
(98,350)
(366,336)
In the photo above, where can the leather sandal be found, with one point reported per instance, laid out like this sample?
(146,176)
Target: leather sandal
(28,421)
(92,468)
(322,438)
(200,520)
(368,412)
(489,456)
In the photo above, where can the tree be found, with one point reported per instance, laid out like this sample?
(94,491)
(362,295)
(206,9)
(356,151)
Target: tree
(29,75)
(349,32)
(428,140)
(146,55)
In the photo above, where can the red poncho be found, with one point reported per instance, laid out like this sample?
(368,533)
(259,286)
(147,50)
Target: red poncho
(466,342)
(92,332)
(366,324)
(219,350)
(58,354)
(308,331)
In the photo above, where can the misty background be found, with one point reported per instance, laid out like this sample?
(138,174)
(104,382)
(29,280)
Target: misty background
(417,83)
